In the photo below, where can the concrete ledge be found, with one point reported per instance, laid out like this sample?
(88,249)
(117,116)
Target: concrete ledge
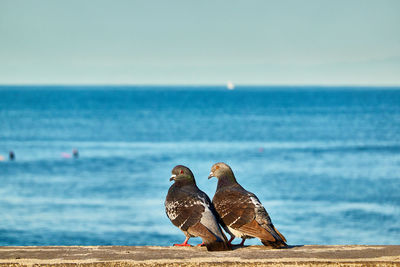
(196,256)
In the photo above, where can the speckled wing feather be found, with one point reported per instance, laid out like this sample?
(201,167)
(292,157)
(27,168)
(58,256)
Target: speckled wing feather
(241,210)
(183,208)
(191,210)
(233,207)
(263,219)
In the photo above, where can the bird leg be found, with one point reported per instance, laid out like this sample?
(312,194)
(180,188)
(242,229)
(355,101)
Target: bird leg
(184,244)
(231,239)
(242,243)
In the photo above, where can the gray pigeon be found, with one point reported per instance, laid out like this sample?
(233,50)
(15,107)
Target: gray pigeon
(241,212)
(191,210)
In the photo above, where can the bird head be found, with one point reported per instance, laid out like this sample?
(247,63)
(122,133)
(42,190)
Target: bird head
(181,173)
(220,170)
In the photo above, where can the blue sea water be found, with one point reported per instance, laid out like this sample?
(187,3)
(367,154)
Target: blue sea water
(325,162)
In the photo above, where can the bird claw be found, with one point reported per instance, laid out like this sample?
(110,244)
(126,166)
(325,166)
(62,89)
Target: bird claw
(200,245)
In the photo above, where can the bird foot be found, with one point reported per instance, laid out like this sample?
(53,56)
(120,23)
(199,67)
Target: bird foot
(200,245)
(182,245)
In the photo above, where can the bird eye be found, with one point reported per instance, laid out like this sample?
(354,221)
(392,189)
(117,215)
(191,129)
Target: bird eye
(181,171)
(216,167)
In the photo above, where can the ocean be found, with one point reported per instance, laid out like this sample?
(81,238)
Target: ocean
(324,161)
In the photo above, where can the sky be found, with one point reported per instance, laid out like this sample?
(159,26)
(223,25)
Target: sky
(282,42)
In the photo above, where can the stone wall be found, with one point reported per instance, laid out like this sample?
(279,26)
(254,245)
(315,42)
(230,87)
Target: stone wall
(199,256)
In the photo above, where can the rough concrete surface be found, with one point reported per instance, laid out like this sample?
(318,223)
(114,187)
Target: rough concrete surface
(199,256)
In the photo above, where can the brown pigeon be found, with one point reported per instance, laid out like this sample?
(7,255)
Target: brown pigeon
(191,210)
(241,212)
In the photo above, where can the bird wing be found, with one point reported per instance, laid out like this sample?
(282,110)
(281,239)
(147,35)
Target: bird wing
(241,210)
(253,228)
(210,218)
(183,208)
(234,207)
(263,219)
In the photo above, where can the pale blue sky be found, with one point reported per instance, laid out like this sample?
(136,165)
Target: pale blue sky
(200,42)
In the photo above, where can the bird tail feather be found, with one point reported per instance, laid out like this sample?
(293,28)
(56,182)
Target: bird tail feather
(275,244)
(283,238)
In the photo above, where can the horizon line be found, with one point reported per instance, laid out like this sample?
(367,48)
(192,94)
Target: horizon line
(196,85)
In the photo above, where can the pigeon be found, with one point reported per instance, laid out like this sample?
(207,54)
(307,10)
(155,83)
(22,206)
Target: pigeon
(241,213)
(191,210)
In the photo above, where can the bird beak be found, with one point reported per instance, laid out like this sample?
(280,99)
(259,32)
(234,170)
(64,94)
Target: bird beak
(211,175)
(172,177)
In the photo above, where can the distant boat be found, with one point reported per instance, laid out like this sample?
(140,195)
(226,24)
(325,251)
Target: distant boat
(230,85)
